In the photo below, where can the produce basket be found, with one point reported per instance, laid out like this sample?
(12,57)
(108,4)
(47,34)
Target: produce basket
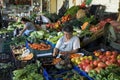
(6,57)
(6,75)
(94,37)
(82,73)
(63,74)
(40,51)
(19,60)
(6,66)
(53,45)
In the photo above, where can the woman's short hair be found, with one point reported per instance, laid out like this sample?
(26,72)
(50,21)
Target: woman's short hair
(67,28)
(25,19)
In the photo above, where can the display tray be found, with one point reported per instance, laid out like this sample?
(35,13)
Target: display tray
(95,36)
(40,51)
(37,52)
(62,74)
(81,72)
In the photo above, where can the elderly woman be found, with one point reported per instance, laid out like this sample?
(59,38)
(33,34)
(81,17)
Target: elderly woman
(28,27)
(68,43)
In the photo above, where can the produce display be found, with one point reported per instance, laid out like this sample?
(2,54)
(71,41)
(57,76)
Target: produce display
(13,25)
(54,38)
(66,75)
(40,46)
(36,36)
(18,41)
(29,72)
(25,58)
(18,49)
(72,11)
(101,65)
(111,72)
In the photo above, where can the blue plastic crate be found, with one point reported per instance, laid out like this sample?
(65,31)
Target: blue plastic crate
(53,45)
(48,74)
(82,73)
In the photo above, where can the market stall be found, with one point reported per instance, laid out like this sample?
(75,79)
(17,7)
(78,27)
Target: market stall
(33,54)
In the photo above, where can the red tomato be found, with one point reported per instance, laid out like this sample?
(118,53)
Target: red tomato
(95,63)
(114,53)
(108,63)
(108,53)
(118,61)
(88,68)
(102,65)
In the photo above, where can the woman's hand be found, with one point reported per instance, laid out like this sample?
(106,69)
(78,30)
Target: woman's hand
(18,35)
(64,52)
(55,51)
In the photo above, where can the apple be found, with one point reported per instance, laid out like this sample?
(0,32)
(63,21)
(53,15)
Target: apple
(118,61)
(87,61)
(100,56)
(84,66)
(88,68)
(108,53)
(108,63)
(115,53)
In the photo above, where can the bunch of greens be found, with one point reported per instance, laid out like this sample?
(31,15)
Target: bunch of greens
(72,11)
(30,72)
(36,36)
(18,41)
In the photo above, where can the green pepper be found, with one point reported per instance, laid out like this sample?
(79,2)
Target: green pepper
(112,76)
(118,57)
(98,77)
(102,72)
(92,73)
(104,78)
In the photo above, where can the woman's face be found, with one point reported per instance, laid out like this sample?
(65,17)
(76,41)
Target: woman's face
(22,22)
(67,35)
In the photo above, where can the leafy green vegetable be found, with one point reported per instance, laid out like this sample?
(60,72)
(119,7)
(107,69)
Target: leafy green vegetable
(30,72)
(72,11)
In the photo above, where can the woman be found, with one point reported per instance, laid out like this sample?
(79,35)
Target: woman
(68,43)
(28,27)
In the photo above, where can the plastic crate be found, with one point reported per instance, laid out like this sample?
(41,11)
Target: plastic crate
(49,74)
(39,51)
(53,45)
(6,74)
(49,77)
(82,72)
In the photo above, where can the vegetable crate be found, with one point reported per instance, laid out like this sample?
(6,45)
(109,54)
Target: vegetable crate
(6,66)
(82,73)
(5,46)
(65,74)
(40,51)
(6,74)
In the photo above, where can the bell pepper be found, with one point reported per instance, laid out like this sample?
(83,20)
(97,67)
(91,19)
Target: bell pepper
(92,73)
(104,78)
(98,77)
(118,57)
